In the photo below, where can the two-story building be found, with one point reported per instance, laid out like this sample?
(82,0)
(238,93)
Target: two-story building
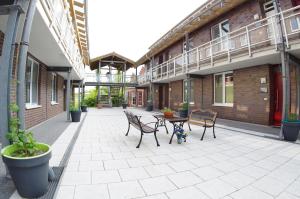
(231,57)
(57,48)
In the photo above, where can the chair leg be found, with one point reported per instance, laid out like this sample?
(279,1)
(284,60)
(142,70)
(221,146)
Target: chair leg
(128,129)
(189,126)
(214,131)
(166,129)
(138,146)
(156,139)
(203,133)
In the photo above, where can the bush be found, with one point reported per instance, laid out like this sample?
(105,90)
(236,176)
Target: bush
(91,99)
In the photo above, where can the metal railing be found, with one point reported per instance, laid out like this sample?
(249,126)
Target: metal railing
(114,78)
(60,19)
(255,37)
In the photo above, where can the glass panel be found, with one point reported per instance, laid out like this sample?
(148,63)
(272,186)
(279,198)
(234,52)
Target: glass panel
(34,83)
(229,88)
(28,80)
(219,89)
(192,91)
(215,32)
(294,24)
(184,91)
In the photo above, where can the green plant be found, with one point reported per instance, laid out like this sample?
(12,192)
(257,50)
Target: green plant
(184,106)
(83,102)
(293,117)
(168,110)
(25,143)
(73,107)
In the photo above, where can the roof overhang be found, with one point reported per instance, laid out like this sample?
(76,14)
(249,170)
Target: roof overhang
(114,59)
(78,10)
(201,16)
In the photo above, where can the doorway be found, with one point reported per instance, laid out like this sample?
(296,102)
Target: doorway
(160,97)
(277,82)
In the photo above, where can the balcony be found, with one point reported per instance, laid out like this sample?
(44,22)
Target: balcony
(54,37)
(93,79)
(254,44)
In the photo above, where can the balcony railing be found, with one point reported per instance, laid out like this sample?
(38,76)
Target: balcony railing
(61,22)
(256,37)
(114,78)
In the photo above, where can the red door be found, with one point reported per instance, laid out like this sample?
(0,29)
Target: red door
(277,118)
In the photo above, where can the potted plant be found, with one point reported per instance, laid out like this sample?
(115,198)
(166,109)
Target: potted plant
(124,104)
(149,106)
(168,113)
(83,106)
(291,128)
(75,113)
(26,159)
(183,111)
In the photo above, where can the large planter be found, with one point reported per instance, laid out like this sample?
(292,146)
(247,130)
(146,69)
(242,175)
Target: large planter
(168,114)
(75,115)
(29,174)
(84,108)
(124,105)
(291,130)
(183,113)
(149,107)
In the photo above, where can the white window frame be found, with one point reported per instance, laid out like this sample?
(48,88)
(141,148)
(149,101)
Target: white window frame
(223,90)
(192,101)
(297,18)
(223,39)
(54,78)
(31,104)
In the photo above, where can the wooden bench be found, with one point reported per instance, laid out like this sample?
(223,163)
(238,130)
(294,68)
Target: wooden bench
(135,121)
(205,118)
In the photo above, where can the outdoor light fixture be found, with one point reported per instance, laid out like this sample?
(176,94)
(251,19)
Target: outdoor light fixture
(6,2)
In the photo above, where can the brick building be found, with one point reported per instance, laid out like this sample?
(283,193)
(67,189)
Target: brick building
(57,44)
(226,56)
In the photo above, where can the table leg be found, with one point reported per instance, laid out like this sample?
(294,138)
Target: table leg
(174,128)
(166,127)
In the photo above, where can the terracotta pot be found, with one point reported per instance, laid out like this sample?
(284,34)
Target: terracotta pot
(168,114)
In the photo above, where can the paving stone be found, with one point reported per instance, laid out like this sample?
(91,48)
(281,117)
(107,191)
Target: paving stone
(157,185)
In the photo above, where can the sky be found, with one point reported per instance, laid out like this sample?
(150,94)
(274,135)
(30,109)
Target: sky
(130,27)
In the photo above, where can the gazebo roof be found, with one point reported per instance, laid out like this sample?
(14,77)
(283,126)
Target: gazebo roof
(114,59)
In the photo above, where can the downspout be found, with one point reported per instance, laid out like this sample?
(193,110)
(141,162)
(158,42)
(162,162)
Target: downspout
(22,61)
(6,62)
(298,90)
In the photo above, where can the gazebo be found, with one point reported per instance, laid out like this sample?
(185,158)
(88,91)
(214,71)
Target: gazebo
(111,73)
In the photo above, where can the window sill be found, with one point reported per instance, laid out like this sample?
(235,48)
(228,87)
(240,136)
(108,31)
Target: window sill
(32,106)
(54,103)
(223,105)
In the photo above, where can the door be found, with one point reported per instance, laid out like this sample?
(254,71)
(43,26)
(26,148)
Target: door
(277,117)
(272,28)
(160,97)
(219,35)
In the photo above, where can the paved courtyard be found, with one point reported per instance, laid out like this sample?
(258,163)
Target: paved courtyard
(105,164)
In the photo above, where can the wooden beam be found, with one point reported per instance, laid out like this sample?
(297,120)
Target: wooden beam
(78,4)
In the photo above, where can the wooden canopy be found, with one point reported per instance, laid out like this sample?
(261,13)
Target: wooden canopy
(113,59)
(201,16)
(78,10)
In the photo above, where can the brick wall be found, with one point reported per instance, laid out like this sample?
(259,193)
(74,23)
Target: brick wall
(46,111)
(176,94)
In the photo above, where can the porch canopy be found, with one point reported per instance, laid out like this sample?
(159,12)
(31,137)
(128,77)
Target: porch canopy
(112,59)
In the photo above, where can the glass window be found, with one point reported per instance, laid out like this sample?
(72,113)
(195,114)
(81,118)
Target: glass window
(185,91)
(295,24)
(31,81)
(54,88)
(219,88)
(229,88)
(224,88)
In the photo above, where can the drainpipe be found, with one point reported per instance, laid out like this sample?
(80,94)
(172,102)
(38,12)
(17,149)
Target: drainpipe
(6,67)
(68,94)
(298,90)
(22,61)
(284,67)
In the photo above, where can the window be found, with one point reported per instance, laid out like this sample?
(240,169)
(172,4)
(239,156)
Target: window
(31,82)
(185,91)
(54,88)
(295,24)
(223,84)
(219,35)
